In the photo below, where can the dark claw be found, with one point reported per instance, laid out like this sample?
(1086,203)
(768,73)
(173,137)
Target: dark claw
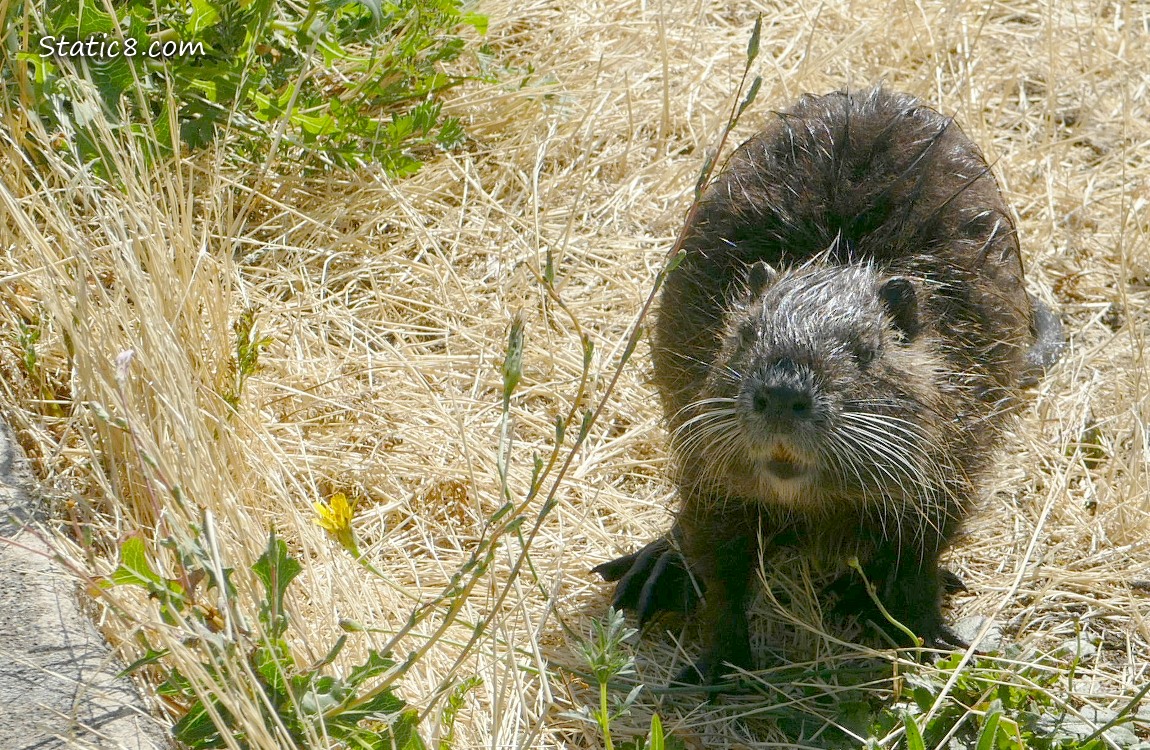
(630,587)
(692,674)
(944,638)
(951,583)
(710,669)
(650,581)
(906,598)
(613,570)
(649,596)
(938,636)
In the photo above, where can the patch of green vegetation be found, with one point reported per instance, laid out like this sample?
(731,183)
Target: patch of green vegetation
(993,704)
(246,359)
(47,389)
(605,655)
(324,83)
(302,700)
(27,337)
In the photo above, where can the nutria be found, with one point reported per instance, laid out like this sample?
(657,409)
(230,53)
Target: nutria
(836,353)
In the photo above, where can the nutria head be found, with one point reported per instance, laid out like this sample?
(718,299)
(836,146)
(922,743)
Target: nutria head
(824,392)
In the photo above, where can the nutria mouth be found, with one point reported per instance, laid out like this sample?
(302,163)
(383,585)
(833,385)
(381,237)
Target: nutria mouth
(784,464)
(785,469)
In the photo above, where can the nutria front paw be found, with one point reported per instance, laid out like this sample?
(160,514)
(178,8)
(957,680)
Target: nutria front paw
(711,668)
(944,638)
(706,670)
(652,580)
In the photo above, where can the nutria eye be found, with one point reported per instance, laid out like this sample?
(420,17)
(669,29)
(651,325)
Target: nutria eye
(747,333)
(864,355)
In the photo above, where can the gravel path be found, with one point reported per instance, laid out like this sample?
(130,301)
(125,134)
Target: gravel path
(58,687)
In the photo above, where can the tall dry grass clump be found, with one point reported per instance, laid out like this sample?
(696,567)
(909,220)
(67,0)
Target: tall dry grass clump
(378,313)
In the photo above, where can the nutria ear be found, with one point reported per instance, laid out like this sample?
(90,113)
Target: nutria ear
(759,276)
(901,303)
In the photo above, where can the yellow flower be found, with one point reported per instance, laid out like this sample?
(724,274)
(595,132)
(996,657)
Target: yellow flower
(334,517)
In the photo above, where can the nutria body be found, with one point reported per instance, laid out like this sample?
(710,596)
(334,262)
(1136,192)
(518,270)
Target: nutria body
(836,355)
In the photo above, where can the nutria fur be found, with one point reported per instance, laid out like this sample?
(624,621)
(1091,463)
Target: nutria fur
(836,354)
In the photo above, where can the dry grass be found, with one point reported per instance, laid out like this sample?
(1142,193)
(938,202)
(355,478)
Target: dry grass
(388,306)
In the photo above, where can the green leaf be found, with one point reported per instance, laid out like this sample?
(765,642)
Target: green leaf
(400,735)
(398,129)
(424,116)
(477,21)
(199,563)
(376,8)
(318,696)
(333,652)
(162,126)
(378,707)
(91,22)
(913,735)
(513,360)
(150,657)
(655,737)
(753,44)
(676,259)
(855,715)
(451,134)
(176,685)
(134,566)
(406,738)
(41,65)
(276,570)
(113,77)
(495,517)
(585,425)
(751,94)
(332,51)
(271,663)
(451,710)
(990,726)
(197,730)
(704,173)
(203,16)
(314,125)
(198,126)
(923,697)
(376,665)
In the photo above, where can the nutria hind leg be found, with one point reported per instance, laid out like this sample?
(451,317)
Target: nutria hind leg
(652,580)
(913,596)
(911,592)
(848,590)
(1049,341)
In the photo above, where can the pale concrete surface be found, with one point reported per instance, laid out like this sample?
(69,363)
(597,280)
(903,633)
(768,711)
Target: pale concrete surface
(57,679)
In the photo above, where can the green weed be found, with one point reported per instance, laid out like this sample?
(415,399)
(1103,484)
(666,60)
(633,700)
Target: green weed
(303,701)
(608,660)
(992,704)
(26,338)
(246,359)
(322,83)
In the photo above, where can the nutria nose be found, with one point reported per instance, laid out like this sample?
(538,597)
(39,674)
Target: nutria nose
(782,402)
